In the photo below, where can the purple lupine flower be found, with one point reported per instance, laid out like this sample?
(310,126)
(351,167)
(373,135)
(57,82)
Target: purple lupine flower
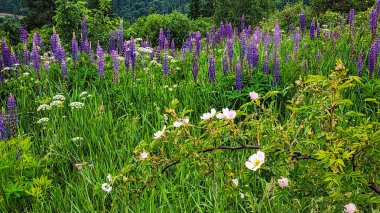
(318,30)
(373,22)
(64,72)
(267,40)
(221,30)
(276,69)
(161,39)
(54,42)
(14,59)
(84,28)
(258,36)
(351,17)
(6,54)
(26,56)
(208,38)
(60,54)
(158,53)
(37,39)
(3,126)
(302,21)
(36,58)
(243,46)
(172,48)
(198,43)
(132,56)
(230,48)
(378,7)
(238,77)
(112,42)
(120,38)
(242,25)
(100,61)
(195,69)
(360,64)
(225,66)
(335,35)
(373,55)
(115,66)
(74,49)
(253,55)
(168,34)
(297,39)
(23,35)
(166,45)
(312,29)
(12,106)
(165,64)
(211,69)
(277,35)
(183,55)
(249,31)
(265,68)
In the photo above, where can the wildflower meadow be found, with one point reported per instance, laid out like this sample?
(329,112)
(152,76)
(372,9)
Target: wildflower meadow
(235,118)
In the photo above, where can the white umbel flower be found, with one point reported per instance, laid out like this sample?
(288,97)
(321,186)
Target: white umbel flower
(76,105)
(43,107)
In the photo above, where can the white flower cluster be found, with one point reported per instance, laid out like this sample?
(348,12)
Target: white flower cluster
(43,107)
(43,121)
(84,95)
(59,97)
(107,186)
(76,139)
(76,105)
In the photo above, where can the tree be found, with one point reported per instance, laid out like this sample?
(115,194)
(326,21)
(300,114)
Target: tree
(195,9)
(40,13)
(208,8)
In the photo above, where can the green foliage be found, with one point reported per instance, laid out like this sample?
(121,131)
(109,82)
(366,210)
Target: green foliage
(21,175)
(232,11)
(40,13)
(320,6)
(9,28)
(68,16)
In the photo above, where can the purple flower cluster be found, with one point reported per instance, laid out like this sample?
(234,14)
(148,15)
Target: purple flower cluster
(6,54)
(36,58)
(243,46)
(277,35)
(351,17)
(195,70)
(312,30)
(302,21)
(297,39)
(373,55)
(373,22)
(253,55)
(165,64)
(23,35)
(54,42)
(74,49)
(360,64)
(12,106)
(225,66)
(115,66)
(100,61)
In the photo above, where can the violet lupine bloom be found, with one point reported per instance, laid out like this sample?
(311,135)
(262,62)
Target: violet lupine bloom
(84,28)
(36,58)
(211,69)
(249,31)
(172,48)
(127,57)
(297,39)
(258,36)
(115,66)
(26,56)
(238,77)
(351,17)
(3,126)
(277,35)
(302,21)
(132,56)
(1,72)
(242,25)
(198,43)
(243,46)
(168,34)
(253,55)
(100,61)
(195,69)
(14,59)
(23,35)
(165,65)
(267,40)
(112,42)
(360,64)
(378,7)
(74,49)
(54,42)
(276,69)
(60,54)
(37,39)
(225,66)
(64,72)
(166,45)
(120,38)
(230,48)
(6,54)
(161,39)
(208,37)
(12,106)
(373,22)
(373,54)
(312,29)
(265,68)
